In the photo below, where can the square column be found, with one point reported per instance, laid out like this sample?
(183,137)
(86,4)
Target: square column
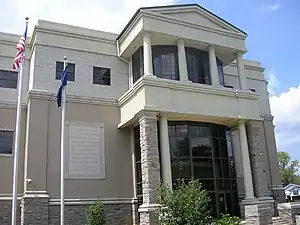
(148,64)
(165,152)
(213,66)
(183,72)
(241,70)
(248,182)
(150,167)
(259,160)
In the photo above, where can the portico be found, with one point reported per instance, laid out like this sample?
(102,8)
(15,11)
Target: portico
(173,75)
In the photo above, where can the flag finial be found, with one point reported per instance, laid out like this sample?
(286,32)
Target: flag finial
(27,18)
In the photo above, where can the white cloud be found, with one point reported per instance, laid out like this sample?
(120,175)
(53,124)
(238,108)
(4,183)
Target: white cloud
(286,111)
(269,8)
(273,8)
(104,15)
(272,82)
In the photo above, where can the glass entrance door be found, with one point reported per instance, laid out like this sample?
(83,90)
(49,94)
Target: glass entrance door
(204,152)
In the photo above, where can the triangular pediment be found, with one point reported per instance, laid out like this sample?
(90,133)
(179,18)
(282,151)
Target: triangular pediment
(197,15)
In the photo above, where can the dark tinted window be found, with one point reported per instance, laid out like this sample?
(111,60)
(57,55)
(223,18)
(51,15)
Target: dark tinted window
(8,79)
(137,64)
(60,68)
(6,142)
(198,66)
(101,76)
(165,62)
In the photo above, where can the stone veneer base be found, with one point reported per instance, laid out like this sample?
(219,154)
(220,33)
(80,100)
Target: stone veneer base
(117,214)
(39,211)
(5,212)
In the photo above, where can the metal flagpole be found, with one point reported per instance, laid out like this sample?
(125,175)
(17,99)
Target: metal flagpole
(17,141)
(62,146)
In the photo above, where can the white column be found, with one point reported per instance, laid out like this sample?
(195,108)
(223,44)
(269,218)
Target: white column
(248,182)
(183,73)
(240,69)
(165,151)
(133,157)
(148,67)
(213,66)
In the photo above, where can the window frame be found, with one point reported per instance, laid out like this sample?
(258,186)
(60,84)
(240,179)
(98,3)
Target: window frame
(12,142)
(103,78)
(71,70)
(6,82)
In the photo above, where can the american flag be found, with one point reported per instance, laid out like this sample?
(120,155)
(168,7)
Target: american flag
(20,50)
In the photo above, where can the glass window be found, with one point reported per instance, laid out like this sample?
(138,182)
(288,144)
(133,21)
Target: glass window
(220,72)
(137,64)
(200,151)
(70,70)
(165,62)
(6,141)
(197,66)
(8,79)
(101,76)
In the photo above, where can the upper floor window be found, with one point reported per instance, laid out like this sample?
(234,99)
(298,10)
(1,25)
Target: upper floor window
(165,62)
(8,79)
(101,76)
(198,66)
(137,64)
(6,141)
(60,69)
(220,72)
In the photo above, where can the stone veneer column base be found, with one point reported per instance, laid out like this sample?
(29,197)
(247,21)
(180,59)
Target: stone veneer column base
(34,209)
(257,212)
(148,214)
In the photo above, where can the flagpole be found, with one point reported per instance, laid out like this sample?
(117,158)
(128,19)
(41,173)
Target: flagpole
(17,142)
(62,146)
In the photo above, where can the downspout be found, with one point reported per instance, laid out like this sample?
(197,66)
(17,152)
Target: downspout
(129,69)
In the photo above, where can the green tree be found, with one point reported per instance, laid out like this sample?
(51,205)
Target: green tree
(288,168)
(186,204)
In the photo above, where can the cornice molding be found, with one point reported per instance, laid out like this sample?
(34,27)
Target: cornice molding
(45,95)
(267,117)
(202,12)
(183,86)
(248,66)
(74,35)
(11,105)
(83,201)
(197,26)
(169,19)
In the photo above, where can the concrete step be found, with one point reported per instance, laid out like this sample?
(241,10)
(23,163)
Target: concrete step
(275,220)
(278,221)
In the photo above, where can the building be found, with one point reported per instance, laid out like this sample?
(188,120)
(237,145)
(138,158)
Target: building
(292,191)
(169,97)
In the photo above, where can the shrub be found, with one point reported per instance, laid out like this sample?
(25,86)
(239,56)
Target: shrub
(188,204)
(95,215)
(229,220)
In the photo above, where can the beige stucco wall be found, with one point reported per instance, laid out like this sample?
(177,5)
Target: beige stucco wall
(118,182)
(7,121)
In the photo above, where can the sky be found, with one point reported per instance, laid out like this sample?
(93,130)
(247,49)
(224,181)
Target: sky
(273,28)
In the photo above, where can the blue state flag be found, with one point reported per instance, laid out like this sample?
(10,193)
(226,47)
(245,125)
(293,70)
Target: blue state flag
(63,83)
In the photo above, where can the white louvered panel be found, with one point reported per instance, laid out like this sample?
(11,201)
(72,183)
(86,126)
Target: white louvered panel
(86,151)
